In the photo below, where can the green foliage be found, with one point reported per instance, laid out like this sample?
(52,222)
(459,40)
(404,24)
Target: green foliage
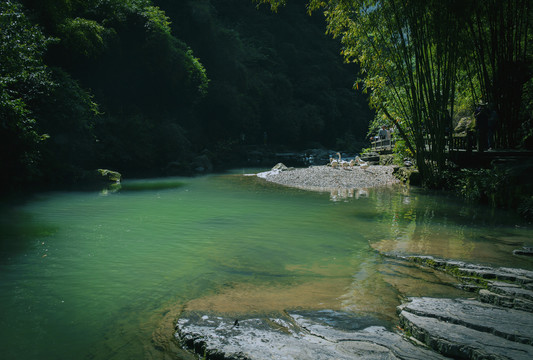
(142,78)
(408,54)
(22,46)
(23,78)
(499,35)
(274,4)
(197,74)
(480,185)
(527,114)
(156,20)
(525,209)
(67,112)
(83,36)
(401,152)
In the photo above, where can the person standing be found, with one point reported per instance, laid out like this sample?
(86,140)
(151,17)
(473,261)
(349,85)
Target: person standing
(481,114)
(383,133)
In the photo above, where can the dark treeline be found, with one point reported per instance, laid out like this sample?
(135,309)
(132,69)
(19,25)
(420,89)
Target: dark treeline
(149,87)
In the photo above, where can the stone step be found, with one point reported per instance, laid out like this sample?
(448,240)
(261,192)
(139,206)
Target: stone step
(505,300)
(510,324)
(460,342)
(465,270)
(497,273)
(513,290)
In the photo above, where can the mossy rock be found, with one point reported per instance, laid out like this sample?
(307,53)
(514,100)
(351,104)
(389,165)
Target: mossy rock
(109,175)
(408,175)
(465,125)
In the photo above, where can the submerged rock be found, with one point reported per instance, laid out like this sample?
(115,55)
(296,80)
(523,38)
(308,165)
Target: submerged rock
(526,250)
(297,335)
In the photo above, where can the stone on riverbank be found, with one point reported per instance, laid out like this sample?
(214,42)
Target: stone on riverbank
(317,335)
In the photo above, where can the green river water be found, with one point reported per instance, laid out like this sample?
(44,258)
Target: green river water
(103,275)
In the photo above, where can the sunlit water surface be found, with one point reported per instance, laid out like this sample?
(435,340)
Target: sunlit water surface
(103,275)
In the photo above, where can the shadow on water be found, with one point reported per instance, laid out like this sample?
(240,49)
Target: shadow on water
(146,185)
(19,231)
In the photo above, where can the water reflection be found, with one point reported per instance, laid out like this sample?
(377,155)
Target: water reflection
(343,194)
(416,222)
(143,185)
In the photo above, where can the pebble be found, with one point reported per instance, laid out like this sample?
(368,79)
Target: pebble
(321,178)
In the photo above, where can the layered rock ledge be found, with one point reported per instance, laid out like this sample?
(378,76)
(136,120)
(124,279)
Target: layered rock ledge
(497,324)
(469,329)
(501,286)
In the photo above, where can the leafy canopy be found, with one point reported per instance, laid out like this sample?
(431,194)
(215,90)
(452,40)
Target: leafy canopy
(23,78)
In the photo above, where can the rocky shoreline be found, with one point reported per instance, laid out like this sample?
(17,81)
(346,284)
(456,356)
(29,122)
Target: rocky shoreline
(326,178)
(495,324)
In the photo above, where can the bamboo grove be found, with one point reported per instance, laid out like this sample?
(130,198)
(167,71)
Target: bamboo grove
(418,58)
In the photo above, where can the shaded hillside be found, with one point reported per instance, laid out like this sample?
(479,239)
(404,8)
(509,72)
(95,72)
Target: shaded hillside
(157,87)
(271,72)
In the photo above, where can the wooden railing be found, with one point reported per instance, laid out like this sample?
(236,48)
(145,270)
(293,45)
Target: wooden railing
(459,143)
(383,144)
(456,142)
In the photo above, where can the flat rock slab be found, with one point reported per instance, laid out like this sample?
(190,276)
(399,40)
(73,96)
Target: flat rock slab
(466,328)
(300,335)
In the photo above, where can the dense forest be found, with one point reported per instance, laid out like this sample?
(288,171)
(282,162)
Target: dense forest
(162,87)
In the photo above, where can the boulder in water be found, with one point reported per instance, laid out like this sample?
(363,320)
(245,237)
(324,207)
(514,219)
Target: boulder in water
(109,175)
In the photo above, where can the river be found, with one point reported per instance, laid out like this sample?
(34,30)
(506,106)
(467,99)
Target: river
(103,274)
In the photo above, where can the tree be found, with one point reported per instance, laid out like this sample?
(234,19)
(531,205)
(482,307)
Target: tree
(499,34)
(408,53)
(23,78)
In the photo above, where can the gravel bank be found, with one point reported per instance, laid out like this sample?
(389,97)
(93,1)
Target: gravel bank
(320,178)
